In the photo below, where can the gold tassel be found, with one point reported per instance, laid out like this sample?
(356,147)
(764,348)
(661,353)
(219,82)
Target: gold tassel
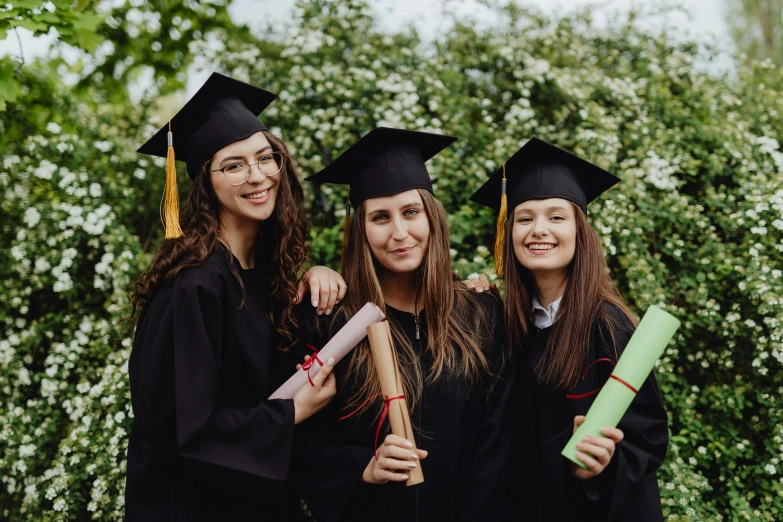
(346,225)
(500,233)
(169,203)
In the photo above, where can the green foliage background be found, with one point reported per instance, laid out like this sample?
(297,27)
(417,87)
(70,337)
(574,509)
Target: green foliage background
(695,226)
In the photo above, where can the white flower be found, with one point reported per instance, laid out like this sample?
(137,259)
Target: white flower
(32,217)
(95,190)
(103,146)
(53,128)
(46,169)
(770,469)
(60,504)
(139,174)
(27,450)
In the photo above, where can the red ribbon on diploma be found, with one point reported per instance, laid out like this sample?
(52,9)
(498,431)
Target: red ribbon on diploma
(309,362)
(593,392)
(385,412)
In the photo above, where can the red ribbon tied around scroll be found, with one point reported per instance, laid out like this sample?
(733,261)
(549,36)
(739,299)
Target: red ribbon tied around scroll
(309,362)
(385,412)
(593,392)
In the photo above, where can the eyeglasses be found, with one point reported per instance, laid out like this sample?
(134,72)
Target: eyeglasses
(270,164)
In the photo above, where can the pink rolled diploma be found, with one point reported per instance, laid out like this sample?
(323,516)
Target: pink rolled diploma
(338,347)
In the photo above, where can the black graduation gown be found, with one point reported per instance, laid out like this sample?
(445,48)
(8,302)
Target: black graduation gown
(465,432)
(627,490)
(206,445)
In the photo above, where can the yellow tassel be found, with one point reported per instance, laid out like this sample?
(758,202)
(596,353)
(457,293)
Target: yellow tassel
(346,225)
(169,203)
(500,233)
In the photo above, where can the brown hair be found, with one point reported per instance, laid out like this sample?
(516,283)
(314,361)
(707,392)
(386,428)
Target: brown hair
(282,242)
(456,323)
(588,287)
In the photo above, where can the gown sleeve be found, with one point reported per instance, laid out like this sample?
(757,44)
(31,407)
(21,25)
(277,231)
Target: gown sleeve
(240,450)
(484,495)
(637,456)
(330,459)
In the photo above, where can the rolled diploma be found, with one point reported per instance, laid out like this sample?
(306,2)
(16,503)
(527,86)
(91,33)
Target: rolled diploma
(338,347)
(385,358)
(654,332)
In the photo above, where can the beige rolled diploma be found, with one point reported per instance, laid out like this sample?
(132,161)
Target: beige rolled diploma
(646,345)
(385,358)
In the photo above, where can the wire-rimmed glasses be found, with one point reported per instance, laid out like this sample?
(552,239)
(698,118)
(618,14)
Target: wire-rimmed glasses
(269,164)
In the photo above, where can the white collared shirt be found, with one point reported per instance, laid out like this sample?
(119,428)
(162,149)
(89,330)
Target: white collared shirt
(545,317)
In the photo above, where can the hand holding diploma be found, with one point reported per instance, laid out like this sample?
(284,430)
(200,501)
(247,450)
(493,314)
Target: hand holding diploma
(338,347)
(637,361)
(395,458)
(394,447)
(594,452)
(309,399)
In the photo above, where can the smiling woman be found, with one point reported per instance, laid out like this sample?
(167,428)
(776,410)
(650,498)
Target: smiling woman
(215,320)
(565,316)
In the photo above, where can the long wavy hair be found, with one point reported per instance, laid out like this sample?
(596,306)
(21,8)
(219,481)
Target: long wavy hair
(588,286)
(281,240)
(457,326)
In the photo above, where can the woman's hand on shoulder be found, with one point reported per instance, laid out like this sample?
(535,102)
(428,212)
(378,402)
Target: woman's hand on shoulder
(325,286)
(595,452)
(393,459)
(481,284)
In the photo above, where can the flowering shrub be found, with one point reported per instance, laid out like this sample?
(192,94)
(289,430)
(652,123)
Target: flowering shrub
(695,227)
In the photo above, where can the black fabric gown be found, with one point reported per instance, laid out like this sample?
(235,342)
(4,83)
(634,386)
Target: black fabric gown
(466,433)
(206,445)
(627,490)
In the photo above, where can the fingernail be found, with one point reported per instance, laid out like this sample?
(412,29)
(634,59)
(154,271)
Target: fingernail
(586,438)
(319,312)
(405,477)
(330,362)
(315,302)
(408,444)
(414,456)
(411,465)
(329,311)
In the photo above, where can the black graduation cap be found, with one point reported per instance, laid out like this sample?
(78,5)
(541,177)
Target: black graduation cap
(384,162)
(540,170)
(224,110)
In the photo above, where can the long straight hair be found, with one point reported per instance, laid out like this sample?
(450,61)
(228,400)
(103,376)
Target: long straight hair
(588,286)
(282,241)
(457,326)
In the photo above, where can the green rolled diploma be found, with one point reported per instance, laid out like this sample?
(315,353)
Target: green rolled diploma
(654,332)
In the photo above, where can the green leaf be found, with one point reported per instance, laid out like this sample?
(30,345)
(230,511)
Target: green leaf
(88,40)
(30,25)
(9,88)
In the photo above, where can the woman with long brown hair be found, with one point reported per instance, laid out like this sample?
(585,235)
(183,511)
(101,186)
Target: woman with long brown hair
(450,348)
(565,316)
(214,314)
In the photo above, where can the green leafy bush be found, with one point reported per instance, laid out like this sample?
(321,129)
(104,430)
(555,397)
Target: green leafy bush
(695,227)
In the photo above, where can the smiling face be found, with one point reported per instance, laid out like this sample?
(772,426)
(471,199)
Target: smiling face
(397,231)
(544,235)
(254,200)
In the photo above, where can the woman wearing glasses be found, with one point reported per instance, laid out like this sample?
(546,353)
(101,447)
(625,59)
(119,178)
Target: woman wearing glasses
(215,318)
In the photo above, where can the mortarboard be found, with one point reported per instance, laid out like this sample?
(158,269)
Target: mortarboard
(540,170)
(384,162)
(223,111)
